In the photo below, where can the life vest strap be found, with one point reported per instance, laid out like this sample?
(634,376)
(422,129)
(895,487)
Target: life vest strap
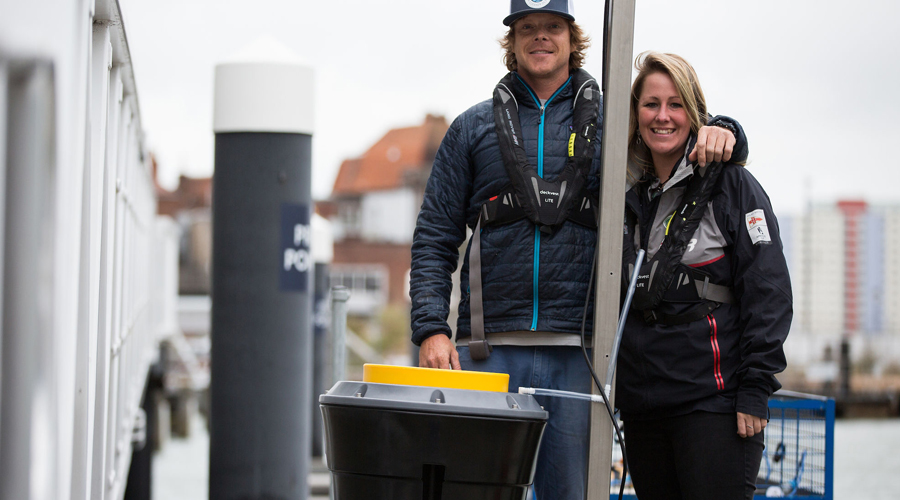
(505,209)
(657,282)
(716,293)
(690,285)
(546,203)
(479,348)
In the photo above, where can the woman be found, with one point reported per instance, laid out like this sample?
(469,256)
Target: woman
(703,341)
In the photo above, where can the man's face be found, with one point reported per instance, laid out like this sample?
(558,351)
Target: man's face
(542,46)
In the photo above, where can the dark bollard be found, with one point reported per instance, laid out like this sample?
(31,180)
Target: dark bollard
(261,282)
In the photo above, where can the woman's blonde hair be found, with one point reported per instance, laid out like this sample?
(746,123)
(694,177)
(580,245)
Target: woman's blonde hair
(686,84)
(577,38)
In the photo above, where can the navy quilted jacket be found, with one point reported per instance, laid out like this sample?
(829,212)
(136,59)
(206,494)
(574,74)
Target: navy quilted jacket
(531,281)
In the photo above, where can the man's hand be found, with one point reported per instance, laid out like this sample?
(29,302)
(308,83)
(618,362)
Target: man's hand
(713,144)
(438,351)
(748,425)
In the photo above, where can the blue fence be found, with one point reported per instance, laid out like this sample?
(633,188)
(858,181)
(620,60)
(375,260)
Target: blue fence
(798,461)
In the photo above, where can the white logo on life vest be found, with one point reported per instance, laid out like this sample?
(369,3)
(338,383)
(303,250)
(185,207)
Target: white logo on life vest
(757,227)
(536,4)
(550,193)
(512,128)
(692,244)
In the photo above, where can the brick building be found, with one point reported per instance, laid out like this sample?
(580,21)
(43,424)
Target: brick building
(189,205)
(373,209)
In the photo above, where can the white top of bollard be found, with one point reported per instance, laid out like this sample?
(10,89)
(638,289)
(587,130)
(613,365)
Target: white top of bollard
(265,87)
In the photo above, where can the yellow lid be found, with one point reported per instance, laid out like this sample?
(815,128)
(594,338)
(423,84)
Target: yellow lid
(432,377)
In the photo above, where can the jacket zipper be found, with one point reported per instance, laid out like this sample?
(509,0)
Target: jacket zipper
(717,355)
(540,169)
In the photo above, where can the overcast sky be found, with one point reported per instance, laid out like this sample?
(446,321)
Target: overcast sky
(813,82)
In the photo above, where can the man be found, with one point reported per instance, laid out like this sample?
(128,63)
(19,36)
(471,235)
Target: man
(534,275)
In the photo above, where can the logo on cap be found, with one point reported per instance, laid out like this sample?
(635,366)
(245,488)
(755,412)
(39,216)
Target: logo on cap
(536,4)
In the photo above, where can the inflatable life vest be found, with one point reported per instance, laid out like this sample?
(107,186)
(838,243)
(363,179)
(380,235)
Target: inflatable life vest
(664,278)
(547,204)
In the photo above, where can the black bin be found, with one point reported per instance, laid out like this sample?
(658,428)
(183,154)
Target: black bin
(401,442)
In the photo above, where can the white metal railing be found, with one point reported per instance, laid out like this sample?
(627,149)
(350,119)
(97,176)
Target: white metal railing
(86,291)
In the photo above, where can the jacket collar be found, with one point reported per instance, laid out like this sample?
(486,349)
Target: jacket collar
(527,97)
(684,170)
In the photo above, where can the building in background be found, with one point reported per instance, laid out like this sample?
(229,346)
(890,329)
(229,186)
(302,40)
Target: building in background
(844,260)
(189,205)
(186,354)
(373,209)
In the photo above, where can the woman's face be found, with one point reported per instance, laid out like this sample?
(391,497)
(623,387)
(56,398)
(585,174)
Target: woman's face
(662,120)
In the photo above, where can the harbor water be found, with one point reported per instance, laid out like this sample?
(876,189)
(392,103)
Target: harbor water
(866,463)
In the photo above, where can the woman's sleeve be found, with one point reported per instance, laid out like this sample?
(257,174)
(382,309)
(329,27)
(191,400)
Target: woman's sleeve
(741,146)
(762,286)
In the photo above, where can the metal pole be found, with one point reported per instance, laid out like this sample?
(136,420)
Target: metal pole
(339,297)
(321,306)
(617,90)
(261,279)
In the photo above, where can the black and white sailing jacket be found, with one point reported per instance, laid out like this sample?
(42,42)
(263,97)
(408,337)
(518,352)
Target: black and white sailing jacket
(727,359)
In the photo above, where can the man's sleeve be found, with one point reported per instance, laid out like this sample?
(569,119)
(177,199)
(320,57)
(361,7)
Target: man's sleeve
(440,230)
(763,288)
(741,148)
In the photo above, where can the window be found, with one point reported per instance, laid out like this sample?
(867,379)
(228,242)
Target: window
(368,285)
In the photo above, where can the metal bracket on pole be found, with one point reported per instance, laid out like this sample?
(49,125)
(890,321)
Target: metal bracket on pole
(618,49)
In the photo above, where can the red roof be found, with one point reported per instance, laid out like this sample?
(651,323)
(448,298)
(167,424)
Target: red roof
(387,163)
(851,207)
(191,193)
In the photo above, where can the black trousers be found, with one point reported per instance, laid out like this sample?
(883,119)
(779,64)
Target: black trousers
(697,456)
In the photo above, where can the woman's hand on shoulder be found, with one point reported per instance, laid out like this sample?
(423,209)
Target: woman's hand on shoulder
(749,425)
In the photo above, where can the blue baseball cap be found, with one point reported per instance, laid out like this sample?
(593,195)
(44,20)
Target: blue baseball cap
(521,8)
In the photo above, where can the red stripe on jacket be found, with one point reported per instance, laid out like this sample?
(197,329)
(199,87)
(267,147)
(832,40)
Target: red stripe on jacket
(717,355)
